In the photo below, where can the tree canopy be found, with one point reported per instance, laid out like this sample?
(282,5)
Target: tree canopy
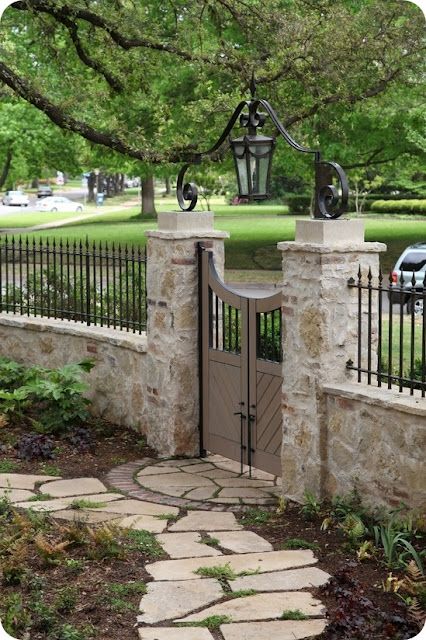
(151,79)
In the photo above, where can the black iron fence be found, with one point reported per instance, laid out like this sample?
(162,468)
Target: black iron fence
(93,283)
(391,331)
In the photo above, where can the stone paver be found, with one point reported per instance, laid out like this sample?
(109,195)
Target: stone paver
(169,600)
(282,580)
(156,470)
(241,541)
(186,545)
(254,562)
(173,633)
(16,495)
(142,523)
(262,606)
(63,503)
(23,481)
(274,630)
(214,479)
(201,493)
(179,479)
(199,468)
(206,521)
(244,483)
(87,517)
(138,507)
(74,487)
(218,473)
(242,492)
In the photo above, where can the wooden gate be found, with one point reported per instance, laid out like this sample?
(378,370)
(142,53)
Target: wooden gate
(241,376)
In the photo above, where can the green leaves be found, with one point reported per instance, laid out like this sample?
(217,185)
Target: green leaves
(51,400)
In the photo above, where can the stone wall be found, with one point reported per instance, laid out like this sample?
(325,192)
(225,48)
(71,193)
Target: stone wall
(375,440)
(117,382)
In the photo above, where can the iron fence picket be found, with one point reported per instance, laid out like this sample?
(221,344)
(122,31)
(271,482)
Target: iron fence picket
(404,365)
(91,283)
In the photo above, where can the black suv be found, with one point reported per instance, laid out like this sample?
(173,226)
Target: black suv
(44,190)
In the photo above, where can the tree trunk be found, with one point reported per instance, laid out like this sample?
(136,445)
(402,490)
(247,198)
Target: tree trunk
(6,168)
(91,184)
(168,186)
(148,204)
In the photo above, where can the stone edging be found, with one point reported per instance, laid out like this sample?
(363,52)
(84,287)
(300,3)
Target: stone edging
(389,399)
(122,478)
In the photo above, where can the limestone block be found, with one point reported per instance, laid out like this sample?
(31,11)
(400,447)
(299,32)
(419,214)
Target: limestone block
(274,630)
(254,562)
(168,600)
(262,606)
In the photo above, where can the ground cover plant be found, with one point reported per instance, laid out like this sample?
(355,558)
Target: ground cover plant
(70,581)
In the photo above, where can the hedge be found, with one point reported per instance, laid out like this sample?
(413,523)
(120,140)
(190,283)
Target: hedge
(399,206)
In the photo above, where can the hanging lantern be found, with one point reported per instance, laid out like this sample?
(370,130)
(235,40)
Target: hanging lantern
(253,162)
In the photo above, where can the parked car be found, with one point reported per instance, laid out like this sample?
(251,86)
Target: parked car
(44,191)
(58,203)
(16,198)
(411,261)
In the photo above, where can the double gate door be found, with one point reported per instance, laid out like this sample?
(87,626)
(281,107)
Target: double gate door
(241,377)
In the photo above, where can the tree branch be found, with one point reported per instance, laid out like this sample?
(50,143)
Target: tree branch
(88,61)
(337,97)
(67,12)
(23,88)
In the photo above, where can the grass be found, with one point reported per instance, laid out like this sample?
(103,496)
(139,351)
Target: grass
(146,543)
(220,572)
(255,231)
(212,622)
(223,572)
(49,469)
(242,593)
(167,516)
(293,614)
(299,543)
(7,466)
(255,516)
(209,541)
(40,496)
(19,221)
(83,503)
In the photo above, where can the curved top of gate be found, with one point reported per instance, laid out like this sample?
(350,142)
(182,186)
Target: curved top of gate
(233,297)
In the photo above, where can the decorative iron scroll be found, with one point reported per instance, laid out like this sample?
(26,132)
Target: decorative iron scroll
(330,201)
(328,196)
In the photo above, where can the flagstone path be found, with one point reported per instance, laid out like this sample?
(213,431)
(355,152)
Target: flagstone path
(215,569)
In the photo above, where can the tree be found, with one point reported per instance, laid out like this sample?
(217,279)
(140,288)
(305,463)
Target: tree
(147,79)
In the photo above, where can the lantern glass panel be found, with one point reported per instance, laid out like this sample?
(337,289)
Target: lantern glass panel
(241,165)
(259,168)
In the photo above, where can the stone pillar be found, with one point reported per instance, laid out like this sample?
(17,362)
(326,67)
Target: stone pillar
(171,419)
(320,315)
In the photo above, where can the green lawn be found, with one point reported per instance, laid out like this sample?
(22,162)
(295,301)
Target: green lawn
(24,220)
(254,231)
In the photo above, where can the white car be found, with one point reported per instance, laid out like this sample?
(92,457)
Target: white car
(58,203)
(18,198)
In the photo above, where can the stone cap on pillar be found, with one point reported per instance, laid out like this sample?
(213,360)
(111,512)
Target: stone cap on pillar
(327,236)
(179,225)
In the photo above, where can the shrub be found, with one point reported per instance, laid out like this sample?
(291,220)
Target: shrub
(50,400)
(399,206)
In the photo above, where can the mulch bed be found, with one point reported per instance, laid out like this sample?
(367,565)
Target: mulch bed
(110,445)
(357,584)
